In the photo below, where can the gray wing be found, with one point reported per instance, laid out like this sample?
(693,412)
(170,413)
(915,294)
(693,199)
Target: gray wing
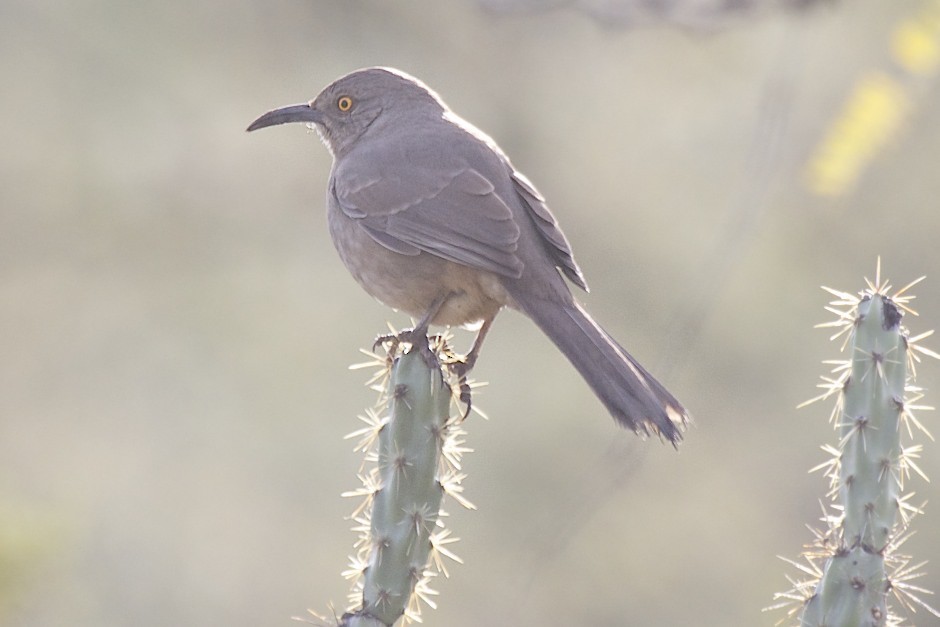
(450,209)
(454,213)
(552,236)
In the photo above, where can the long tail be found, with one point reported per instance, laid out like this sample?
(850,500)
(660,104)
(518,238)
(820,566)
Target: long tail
(631,394)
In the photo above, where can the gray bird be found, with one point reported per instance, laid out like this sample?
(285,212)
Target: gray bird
(432,219)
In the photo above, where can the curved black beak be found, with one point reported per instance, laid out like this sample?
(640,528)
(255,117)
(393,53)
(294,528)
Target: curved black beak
(291,113)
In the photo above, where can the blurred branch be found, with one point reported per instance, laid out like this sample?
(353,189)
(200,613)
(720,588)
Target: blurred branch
(747,208)
(698,14)
(606,476)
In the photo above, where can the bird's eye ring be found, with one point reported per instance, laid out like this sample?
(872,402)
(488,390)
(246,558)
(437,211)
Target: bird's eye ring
(344,103)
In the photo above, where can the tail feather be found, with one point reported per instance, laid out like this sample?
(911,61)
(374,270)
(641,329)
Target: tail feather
(631,394)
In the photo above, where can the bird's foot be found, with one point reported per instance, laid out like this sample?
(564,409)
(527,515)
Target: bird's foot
(417,338)
(431,347)
(460,366)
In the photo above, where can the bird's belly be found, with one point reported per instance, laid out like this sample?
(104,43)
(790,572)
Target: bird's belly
(412,283)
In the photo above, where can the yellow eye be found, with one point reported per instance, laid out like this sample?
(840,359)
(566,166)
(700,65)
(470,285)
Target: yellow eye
(344,103)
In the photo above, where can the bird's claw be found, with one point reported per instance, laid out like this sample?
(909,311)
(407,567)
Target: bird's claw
(460,367)
(415,337)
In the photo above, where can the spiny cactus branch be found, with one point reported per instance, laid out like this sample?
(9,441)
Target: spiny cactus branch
(853,565)
(412,449)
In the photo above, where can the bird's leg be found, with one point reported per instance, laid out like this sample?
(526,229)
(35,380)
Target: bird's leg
(417,336)
(465,365)
(462,367)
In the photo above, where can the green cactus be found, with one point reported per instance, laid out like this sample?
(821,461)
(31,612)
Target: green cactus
(854,585)
(853,564)
(414,458)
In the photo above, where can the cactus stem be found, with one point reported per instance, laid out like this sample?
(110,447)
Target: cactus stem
(854,560)
(412,450)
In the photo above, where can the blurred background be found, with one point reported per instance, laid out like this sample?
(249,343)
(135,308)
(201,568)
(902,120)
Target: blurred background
(176,326)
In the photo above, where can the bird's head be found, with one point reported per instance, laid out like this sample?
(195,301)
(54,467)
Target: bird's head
(351,104)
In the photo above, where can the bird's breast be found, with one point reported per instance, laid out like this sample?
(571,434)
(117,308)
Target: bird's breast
(412,283)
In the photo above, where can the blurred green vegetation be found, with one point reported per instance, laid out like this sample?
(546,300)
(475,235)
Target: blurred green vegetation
(176,325)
